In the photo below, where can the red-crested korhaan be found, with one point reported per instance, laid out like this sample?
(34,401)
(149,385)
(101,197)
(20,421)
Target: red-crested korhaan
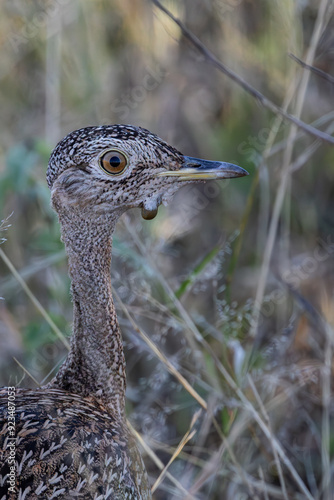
(70,439)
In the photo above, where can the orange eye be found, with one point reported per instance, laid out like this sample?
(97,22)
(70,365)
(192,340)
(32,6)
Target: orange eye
(113,162)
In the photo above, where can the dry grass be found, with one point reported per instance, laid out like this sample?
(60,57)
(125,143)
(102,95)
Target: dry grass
(226,299)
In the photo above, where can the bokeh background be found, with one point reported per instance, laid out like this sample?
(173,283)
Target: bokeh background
(234,281)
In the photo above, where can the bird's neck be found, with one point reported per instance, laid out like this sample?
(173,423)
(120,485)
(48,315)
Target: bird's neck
(95,364)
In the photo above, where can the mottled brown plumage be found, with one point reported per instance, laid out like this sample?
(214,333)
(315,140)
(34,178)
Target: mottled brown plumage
(70,446)
(71,438)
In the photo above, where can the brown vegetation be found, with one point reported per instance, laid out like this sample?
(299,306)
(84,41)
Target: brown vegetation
(234,283)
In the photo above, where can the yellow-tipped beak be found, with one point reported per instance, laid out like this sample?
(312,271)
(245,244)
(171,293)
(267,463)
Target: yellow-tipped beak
(195,169)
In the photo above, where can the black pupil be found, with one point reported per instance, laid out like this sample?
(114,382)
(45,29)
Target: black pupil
(114,161)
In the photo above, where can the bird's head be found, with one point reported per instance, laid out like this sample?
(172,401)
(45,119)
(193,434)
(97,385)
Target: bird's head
(115,167)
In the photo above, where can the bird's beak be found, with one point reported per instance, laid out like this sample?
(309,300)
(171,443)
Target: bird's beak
(194,169)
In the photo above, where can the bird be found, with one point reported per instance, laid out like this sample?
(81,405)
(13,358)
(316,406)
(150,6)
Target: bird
(69,438)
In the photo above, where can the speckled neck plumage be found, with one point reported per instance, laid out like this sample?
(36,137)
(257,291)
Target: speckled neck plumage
(95,365)
(88,204)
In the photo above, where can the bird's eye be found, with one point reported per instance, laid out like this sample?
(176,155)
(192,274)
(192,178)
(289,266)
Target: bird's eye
(113,162)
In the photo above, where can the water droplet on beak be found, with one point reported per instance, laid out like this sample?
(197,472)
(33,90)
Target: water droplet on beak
(148,214)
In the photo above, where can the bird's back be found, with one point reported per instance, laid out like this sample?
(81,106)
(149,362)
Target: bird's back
(66,446)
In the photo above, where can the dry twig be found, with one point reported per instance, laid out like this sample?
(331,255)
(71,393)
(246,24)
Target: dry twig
(209,56)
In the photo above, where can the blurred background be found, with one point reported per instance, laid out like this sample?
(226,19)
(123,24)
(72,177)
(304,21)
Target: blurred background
(234,281)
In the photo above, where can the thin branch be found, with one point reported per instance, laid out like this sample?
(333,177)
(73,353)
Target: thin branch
(170,367)
(188,435)
(267,419)
(157,460)
(209,56)
(262,424)
(315,70)
(26,371)
(285,171)
(34,300)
